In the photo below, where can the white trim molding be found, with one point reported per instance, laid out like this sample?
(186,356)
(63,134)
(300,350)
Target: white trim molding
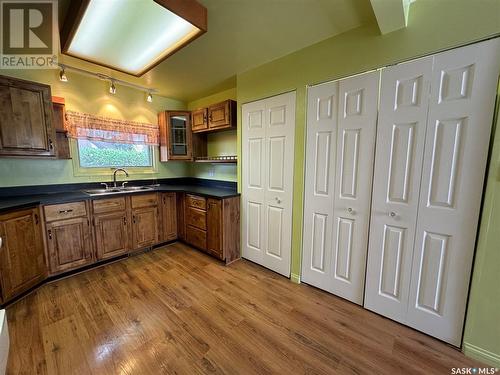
(481,354)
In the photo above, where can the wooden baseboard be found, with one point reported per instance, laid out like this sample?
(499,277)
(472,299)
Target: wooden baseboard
(295,278)
(473,351)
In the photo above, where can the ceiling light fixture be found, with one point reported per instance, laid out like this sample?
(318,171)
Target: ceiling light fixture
(92,28)
(112,88)
(62,75)
(104,77)
(150,97)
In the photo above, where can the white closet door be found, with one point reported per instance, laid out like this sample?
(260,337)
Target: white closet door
(398,162)
(339,163)
(268,155)
(353,183)
(321,147)
(458,131)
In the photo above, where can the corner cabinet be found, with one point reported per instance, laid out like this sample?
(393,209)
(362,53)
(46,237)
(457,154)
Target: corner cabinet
(26,124)
(22,263)
(175,136)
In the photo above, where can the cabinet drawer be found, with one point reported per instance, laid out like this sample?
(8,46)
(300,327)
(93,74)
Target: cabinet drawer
(144,200)
(196,202)
(64,211)
(196,237)
(196,218)
(109,205)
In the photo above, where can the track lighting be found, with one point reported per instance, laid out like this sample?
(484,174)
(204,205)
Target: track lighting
(112,88)
(62,75)
(150,97)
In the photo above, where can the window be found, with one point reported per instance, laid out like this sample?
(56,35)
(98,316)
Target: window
(100,154)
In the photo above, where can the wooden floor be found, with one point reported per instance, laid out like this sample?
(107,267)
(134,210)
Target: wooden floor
(176,310)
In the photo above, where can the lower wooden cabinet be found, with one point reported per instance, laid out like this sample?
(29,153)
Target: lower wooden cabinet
(213,225)
(68,244)
(145,220)
(111,233)
(22,263)
(168,228)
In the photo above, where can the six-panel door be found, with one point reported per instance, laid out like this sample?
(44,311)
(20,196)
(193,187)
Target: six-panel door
(268,154)
(396,185)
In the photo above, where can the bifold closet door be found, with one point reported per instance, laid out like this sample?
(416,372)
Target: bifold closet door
(427,198)
(267,178)
(456,149)
(401,127)
(341,131)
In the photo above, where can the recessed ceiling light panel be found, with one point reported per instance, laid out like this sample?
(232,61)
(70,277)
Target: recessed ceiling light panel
(129,35)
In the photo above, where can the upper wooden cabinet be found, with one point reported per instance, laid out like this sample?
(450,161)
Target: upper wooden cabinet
(199,119)
(22,262)
(175,136)
(220,116)
(26,127)
(62,141)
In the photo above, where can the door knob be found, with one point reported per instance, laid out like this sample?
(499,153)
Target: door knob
(392,214)
(350,210)
(277,200)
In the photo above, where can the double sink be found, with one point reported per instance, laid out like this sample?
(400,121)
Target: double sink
(117,190)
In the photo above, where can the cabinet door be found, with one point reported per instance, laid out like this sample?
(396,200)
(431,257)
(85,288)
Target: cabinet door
(199,120)
(219,115)
(396,184)
(144,227)
(214,227)
(169,216)
(26,127)
(22,262)
(69,244)
(175,136)
(111,233)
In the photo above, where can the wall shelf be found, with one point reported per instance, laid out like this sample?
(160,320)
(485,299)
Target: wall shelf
(217,159)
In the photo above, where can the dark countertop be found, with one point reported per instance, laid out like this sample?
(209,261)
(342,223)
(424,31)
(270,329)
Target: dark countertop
(24,201)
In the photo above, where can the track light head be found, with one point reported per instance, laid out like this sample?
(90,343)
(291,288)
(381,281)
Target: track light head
(62,75)
(150,97)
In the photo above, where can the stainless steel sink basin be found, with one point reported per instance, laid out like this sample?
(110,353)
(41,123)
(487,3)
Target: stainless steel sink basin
(117,190)
(135,188)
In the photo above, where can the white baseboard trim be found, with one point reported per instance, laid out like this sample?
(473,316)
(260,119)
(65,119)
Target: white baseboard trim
(295,278)
(4,342)
(481,354)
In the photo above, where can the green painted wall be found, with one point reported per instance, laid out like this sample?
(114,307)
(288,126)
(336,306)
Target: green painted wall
(218,144)
(89,95)
(482,329)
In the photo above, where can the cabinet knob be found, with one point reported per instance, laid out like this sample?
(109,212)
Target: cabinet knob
(51,145)
(50,234)
(1,242)
(124,220)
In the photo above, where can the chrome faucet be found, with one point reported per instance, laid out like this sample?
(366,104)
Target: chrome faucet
(114,175)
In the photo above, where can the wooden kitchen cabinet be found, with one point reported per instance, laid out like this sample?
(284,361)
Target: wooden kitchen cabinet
(199,119)
(26,123)
(59,118)
(175,135)
(213,225)
(220,116)
(168,203)
(145,220)
(111,227)
(22,263)
(68,235)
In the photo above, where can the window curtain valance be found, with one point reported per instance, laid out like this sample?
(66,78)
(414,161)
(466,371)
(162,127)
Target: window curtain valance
(96,128)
